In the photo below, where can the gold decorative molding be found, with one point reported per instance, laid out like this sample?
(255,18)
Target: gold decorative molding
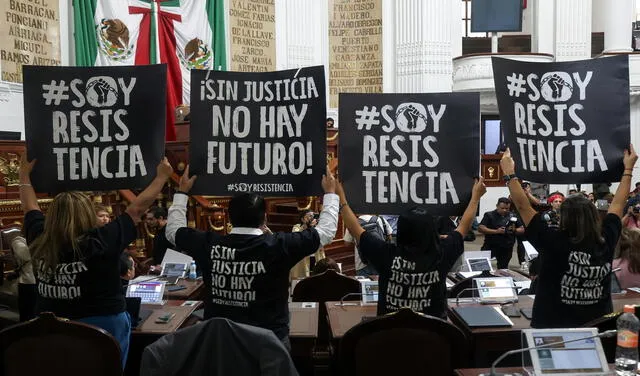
(214,228)
(10,167)
(307,206)
(333,138)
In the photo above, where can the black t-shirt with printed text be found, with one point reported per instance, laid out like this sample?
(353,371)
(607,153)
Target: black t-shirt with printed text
(494,220)
(574,284)
(414,278)
(247,276)
(87,284)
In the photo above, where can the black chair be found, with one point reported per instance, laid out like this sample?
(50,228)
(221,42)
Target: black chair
(48,345)
(403,343)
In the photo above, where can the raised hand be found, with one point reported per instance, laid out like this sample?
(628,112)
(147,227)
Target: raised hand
(186,182)
(507,164)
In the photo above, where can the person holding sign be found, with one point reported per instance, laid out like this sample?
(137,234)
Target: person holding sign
(413,271)
(576,258)
(246,273)
(77,263)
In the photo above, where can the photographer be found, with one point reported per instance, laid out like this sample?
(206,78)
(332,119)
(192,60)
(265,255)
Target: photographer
(500,228)
(632,218)
(552,217)
(308,219)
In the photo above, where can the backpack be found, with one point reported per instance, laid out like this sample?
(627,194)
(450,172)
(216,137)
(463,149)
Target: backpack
(371,226)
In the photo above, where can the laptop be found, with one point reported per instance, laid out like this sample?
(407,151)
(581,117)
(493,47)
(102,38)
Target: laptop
(149,292)
(584,357)
(496,290)
(138,315)
(475,266)
(172,271)
(369,292)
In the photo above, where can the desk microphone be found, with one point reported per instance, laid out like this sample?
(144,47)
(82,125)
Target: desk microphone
(342,303)
(605,334)
(514,288)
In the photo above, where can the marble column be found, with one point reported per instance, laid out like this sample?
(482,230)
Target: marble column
(572,29)
(618,18)
(302,34)
(424,44)
(543,33)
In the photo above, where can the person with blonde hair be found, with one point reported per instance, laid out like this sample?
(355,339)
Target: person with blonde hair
(77,264)
(628,258)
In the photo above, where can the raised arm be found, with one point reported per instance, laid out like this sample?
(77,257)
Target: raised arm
(141,203)
(177,216)
(328,221)
(27,194)
(348,217)
(622,193)
(467,218)
(518,196)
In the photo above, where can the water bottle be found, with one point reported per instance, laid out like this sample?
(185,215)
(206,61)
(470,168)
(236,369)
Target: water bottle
(192,271)
(627,350)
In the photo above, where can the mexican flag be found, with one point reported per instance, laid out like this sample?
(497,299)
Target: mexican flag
(184,34)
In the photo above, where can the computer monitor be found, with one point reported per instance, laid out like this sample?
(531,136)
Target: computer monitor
(584,357)
(369,292)
(496,290)
(149,292)
(479,264)
(10,135)
(496,15)
(174,269)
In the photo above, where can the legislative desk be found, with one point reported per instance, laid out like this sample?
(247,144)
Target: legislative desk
(485,371)
(149,331)
(486,344)
(303,332)
(194,290)
(346,316)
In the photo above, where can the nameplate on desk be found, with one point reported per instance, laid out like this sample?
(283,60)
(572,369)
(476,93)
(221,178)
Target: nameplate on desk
(308,305)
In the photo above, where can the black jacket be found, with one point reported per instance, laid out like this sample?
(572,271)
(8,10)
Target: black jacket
(217,347)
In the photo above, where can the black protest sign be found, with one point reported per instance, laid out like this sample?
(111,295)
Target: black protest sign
(258,132)
(398,151)
(568,122)
(94,128)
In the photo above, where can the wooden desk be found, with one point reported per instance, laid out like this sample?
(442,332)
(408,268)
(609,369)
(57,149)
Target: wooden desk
(304,320)
(194,290)
(488,343)
(343,318)
(303,332)
(149,332)
(480,371)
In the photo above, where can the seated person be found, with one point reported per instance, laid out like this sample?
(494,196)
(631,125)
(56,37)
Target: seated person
(102,214)
(628,258)
(257,264)
(574,286)
(127,268)
(419,260)
(324,265)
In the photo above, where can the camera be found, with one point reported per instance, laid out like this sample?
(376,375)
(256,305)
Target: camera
(510,228)
(636,209)
(316,216)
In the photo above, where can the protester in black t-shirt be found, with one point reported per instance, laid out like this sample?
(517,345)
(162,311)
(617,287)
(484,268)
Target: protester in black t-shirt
(246,273)
(500,228)
(575,273)
(413,272)
(77,265)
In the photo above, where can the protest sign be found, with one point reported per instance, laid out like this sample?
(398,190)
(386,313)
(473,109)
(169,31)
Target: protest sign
(258,132)
(398,151)
(567,122)
(94,128)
